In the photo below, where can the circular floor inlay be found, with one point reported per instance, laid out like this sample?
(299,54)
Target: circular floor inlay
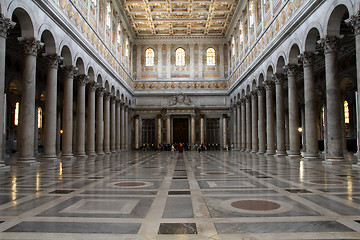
(255,205)
(130,184)
(325,181)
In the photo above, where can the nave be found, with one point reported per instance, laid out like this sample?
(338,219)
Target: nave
(190,195)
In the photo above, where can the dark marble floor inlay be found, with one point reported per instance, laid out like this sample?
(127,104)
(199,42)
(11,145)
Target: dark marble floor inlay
(255,205)
(177,228)
(179,178)
(61,191)
(179,192)
(298,190)
(130,184)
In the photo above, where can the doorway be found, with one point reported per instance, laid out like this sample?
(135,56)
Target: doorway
(180,130)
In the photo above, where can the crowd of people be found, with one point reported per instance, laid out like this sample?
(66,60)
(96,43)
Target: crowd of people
(182,147)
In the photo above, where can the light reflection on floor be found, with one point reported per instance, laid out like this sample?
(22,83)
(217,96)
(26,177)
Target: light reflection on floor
(154,195)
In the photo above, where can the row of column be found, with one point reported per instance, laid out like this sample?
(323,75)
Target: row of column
(104,129)
(260,124)
(111,122)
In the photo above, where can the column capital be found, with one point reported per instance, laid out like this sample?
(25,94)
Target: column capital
(53,60)
(254,94)
(269,85)
(248,98)
(243,101)
(122,104)
(278,78)
(100,91)
(307,58)
(291,69)
(118,102)
(260,90)
(92,86)
(5,26)
(113,99)
(126,107)
(354,22)
(30,46)
(107,96)
(330,43)
(69,71)
(82,79)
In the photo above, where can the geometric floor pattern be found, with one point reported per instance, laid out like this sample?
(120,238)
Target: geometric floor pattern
(157,195)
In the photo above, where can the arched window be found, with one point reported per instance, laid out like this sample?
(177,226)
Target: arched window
(149,56)
(180,57)
(118,40)
(108,15)
(16,117)
(346,112)
(210,56)
(40,117)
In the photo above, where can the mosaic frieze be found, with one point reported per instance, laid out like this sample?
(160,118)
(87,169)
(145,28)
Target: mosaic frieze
(180,85)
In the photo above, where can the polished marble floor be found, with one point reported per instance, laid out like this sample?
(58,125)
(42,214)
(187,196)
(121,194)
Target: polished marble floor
(190,195)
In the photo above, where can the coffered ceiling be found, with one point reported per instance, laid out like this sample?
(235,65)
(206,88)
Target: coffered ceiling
(179,17)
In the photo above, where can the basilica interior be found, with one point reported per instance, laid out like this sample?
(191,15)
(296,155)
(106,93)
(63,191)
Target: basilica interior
(179,119)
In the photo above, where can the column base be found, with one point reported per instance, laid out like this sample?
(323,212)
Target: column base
(49,158)
(114,152)
(100,153)
(107,153)
(27,162)
(356,166)
(3,166)
(81,156)
(280,153)
(254,151)
(333,160)
(270,152)
(67,157)
(261,152)
(293,156)
(91,154)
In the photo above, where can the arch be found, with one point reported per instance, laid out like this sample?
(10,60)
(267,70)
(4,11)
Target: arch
(293,54)
(269,73)
(126,100)
(113,90)
(49,42)
(238,97)
(242,93)
(99,80)
(253,85)
(107,86)
(80,66)
(280,64)
(66,54)
(333,23)
(247,91)
(122,97)
(312,36)
(91,74)
(118,94)
(22,17)
(261,79)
